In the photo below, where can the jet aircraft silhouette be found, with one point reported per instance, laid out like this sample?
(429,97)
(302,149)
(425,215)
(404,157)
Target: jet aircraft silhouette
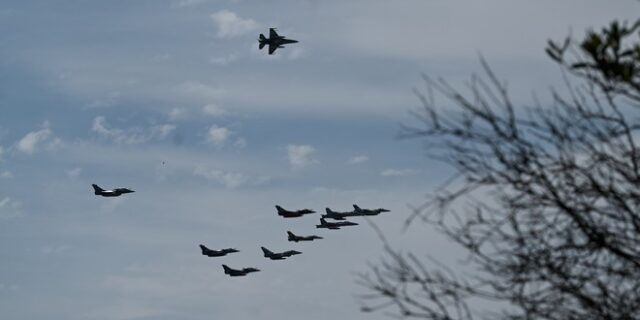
(216,253)
(274,41)
(334,225)
(109,193)
(279,255)
(292,214)
(336,215)
(238,273)
(294,238)
(368,212)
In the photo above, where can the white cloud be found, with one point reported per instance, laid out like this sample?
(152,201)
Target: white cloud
(230,25)
(100,127)
(199,90)
(229,179)
(218,135)
(295,53)
(163,130)
(30,143)
(358,159)
(300,155)
(55,249)
(223,60)
(240,143)
(9,208)
(1,152)
(189,3)
(177,113)
(74,173)
(213,110)
(6,174)
(397,172)
(131,136)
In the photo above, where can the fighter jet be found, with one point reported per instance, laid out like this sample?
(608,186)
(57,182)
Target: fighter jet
(292,214)
(334,225)
(109,193)
(368,212)
(294,238)
(238,273)
(280,255)
(336,215)
(216,253)
(274,41)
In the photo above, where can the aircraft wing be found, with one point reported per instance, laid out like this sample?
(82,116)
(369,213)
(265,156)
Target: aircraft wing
(272,48)
(272,33)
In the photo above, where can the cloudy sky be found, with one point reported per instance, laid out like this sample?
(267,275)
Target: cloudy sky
(173,99)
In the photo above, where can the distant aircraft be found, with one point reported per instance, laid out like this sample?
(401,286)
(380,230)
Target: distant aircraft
(368,212)
(216,253)
(292,214)
(280,255)
(109,193)
(294,238)
(334,225)
(338,215)
(274,41)
(238,273)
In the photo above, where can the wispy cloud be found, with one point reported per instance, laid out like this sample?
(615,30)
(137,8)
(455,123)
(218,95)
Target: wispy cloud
(397,172)
(33,141)
(130,136)
(189,3)
(218,135)
(231,25)
(213,110)
(177,114)
(55,249)
(300,156)
(198,90)
(230,179)
(224,60)
(358,159)
(74,173)
(9,208)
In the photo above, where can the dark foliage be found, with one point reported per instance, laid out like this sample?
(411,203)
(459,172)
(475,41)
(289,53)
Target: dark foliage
(545,199)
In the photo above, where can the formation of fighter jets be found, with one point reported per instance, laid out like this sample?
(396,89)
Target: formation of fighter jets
(292,237)
(274,42)
(324,224)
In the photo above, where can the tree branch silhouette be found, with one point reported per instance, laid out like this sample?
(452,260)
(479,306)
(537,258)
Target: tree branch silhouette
(545,199)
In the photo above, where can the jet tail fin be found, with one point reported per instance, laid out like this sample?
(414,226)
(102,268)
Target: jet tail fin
(96,189)
(226,269)
(266,251)
(262,41)
(280,210)
(356,207)
(203,248)
(290,234)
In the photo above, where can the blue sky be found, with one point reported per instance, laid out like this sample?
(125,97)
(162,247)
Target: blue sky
(173,99)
